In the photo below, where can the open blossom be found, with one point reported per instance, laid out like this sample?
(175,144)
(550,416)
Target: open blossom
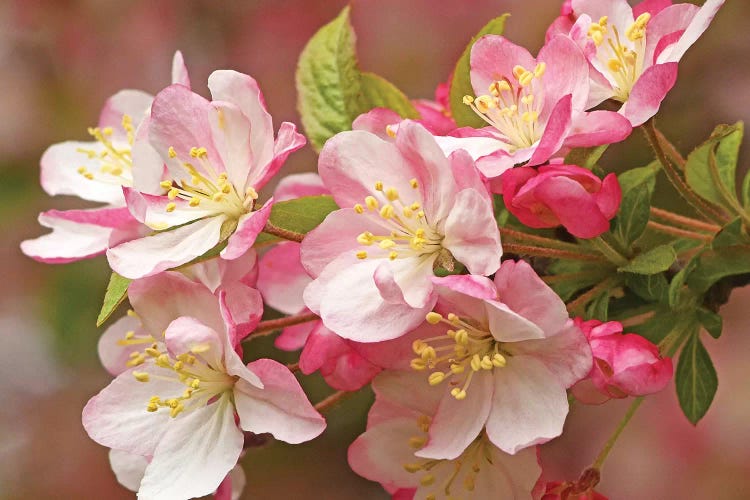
(634,52)
(188,406)
(624,364)
(506,357)
(535,107)
(566,195)
(218,154)
(95,171)
(398,427)
(406,210)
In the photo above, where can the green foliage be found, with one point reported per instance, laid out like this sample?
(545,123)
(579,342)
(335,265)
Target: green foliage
(656,328)
(653,288)
(301,215)
(711,321)
(695,379)
(586,157)
(117,290)
(331,90)
(461,83)
(678,283)
(730,235)
(713,265)
(711,168)
(599,307)
(637,188)
(654,261)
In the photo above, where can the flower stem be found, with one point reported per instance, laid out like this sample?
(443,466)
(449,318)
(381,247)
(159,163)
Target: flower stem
(283,233)
(610,253)
(271,325)
(613,438)
(522,237)
(682,233)
(576,306)
(706,209)
(670,150)
(681,220)
(331,400)
(551,252)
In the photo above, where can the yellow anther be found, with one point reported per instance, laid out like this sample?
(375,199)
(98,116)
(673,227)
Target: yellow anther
(154,353)
(226,188)
(530,116)
(379,186)
(217,196)
(170,207)
(136,360)
(359,208)
(614,65)
(423,422)
(603,21)
(459,350)
(194,202)
(433,318)
(462,337)
(527,99)
(453,318)
(393,255)
(436,378)
(172,194)
(361,255)
(81,170)
(526,78)
(420,214)
(195,383)
(418,364)
(467,99)
(172,153)
(476,363)
(89,176)
(365,238)
(107,131)
(372,203)
(417,442)
(431,496)
(172,403)
(178,365)
(200,348)
(152,407)
(637,30)
(414,184)
(176,410)
(518,71)
(386,244)
(163,360)
(541,67)
(499,86)
(387,211)
(427,480)
(459,394)
(251,193)
(129,335)
(412,468)
(499,360)
(457,369)
(428,353)
(408,212)
(392,194)
(166,184)
(390,131)
(195,180)
(418,346)
(484,103)
(486,363)
(141,376)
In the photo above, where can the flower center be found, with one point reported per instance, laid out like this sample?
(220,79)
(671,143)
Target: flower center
(513,106)
(411,234)
(443,474)
(202,381)
(465,349)
(622,58)
(114,156)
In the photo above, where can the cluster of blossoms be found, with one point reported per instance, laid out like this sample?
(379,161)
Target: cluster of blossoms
(473,357)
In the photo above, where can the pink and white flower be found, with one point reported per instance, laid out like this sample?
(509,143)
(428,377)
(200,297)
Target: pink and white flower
(412,209)
(398,426)
(624,364)
(95,171)
(218,154)
(534,106)
(633,52)
(188,408)
(508,355)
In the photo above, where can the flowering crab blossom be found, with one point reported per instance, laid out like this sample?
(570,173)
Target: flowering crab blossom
(218,154)
(398,427)
(506,358)
(95,171)
(634,52)
(407,209)
(535,107)
(187,408)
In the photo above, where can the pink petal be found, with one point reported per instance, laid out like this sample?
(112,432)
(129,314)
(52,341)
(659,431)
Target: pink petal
(466,175)
(249,227)
(469,284)
(133,103)
(653,7)
(282,279)
(509,476)
(376,120)
(151,169)
(162,251)
(152,211)
(478,146)
(556,130)
(568,200)
(128,468)
(597,128)
(186,334)
(406,280)
(214,273)
(299,185)
(231,133)
(648,93)
(403,393)
(195,454)
(241,308)
(281,407)
(529,406)
(114,356)
(179,70)
(694,30)
(493,58)
(567,73)
(457,423)
(294,337)
(288,140)
(618,11)
(471,234)
(506,325)
(609,196)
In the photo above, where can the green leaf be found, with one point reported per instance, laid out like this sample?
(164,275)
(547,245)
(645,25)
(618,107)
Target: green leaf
(711,321)
(328,81)
(586,157)
(695,379)
(380,93)
(637,176)
(633,215)
(656,328)
(678,282)
(730,235)
(713,265)
(725,141)
(461,83)
(301,215)
(599,307)
(746,191)
(653,288)
(117,290)
(654,261)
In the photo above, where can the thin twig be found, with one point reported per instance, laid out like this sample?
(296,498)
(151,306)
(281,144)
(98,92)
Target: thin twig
(681,220)
(522,237)
(331,400)
(271,325)
(551,252)
(675,231)
(283,233)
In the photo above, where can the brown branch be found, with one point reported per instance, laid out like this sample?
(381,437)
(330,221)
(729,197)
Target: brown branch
(283,233)
(331,400)
(541,240)
(271,325)
(675,231)
(688,222)
(551,252)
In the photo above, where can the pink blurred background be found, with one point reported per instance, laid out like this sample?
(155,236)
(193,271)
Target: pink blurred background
(61,59)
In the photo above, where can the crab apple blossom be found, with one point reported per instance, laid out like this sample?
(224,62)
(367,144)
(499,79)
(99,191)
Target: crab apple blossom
(407,209)
(188,408)
(567,195)
(218,154)
(95,171)
(534,106)
(398,427)
(505,359)
(624,364)
(633,52)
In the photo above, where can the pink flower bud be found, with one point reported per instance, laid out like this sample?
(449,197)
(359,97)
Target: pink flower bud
(558,490)
(566,195)
(624,364)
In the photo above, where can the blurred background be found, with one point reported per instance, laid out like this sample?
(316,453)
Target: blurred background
(61,59)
